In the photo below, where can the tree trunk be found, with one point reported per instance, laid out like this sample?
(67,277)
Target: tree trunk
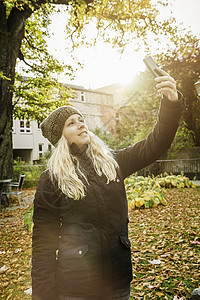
(12,32)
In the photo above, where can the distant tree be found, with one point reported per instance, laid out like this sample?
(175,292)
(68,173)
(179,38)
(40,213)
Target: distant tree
(143,100)
(23,28)
(186,69)
(138,115)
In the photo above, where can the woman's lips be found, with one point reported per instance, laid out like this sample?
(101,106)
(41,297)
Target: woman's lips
(83,133)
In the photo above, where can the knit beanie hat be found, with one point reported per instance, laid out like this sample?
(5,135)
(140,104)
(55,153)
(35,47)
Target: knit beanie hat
(52,126)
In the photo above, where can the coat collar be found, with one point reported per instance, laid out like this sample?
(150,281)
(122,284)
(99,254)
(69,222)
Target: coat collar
(80,153)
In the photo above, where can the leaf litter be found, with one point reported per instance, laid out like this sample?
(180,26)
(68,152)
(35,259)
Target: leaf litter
(15,251)
(165,247)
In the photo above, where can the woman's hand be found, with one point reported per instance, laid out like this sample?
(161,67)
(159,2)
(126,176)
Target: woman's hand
(167,85)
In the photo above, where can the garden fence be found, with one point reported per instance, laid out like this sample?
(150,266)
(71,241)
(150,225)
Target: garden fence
(188,167)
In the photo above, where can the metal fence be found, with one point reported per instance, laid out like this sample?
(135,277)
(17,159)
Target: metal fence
(189,167)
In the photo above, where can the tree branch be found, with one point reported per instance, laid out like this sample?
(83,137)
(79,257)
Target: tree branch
(17,18)
(21,57)
(33,47)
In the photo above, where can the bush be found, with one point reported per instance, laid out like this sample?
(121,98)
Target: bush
(143,192)
(147,192)
(183,138)
(175,181)
(32,172)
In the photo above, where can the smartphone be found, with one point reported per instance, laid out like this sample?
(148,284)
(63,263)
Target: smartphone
(151,65)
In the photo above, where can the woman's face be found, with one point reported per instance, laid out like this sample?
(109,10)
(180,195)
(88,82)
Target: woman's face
(75,131)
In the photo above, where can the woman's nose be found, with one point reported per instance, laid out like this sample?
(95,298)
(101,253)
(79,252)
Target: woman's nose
(81,125)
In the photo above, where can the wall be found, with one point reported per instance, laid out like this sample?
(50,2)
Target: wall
(98,109)
(26,144)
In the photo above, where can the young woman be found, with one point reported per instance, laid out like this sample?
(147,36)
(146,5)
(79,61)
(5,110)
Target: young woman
(81,248)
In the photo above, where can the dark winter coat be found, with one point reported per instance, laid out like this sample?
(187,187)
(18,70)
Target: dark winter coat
(82,247)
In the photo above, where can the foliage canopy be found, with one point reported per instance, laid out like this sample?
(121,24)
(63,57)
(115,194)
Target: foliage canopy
(117,22)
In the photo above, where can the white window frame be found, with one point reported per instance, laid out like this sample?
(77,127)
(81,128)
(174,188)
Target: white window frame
(40,151)
(82,96)
(27,126)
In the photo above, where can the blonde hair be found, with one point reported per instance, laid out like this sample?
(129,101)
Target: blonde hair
(64,167)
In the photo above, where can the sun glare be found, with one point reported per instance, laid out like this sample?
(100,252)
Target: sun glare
(106,66)
(102,64)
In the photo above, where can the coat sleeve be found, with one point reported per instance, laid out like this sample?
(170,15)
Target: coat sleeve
(45,240)
(145,152)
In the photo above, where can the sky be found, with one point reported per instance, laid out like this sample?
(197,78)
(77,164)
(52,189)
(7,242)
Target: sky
(103,65)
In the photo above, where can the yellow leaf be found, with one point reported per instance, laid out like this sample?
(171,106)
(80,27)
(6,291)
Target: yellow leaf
(131,204)
(139,288)
(139,202)
(159,294)
(164,201)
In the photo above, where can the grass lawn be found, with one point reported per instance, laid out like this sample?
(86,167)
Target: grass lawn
(165,249)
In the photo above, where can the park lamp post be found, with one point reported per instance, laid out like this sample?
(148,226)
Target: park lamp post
(197,86)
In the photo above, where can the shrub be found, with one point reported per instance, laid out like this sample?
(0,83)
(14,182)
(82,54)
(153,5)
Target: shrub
(32,172)
(148,191)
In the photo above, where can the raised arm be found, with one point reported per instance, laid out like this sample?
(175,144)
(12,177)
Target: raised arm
(145,152)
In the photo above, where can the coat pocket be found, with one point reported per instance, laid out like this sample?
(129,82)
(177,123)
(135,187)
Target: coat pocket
(73,256)
(73,252)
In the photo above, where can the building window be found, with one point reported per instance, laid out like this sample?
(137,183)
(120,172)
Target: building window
(82,96)
(40,150)
(25,126)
